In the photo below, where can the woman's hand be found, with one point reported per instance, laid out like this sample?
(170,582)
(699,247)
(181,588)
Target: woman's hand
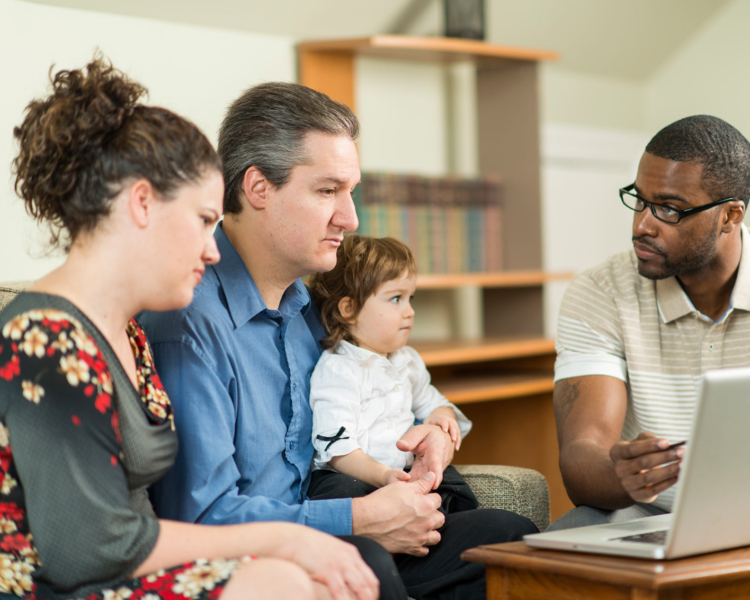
(333,563)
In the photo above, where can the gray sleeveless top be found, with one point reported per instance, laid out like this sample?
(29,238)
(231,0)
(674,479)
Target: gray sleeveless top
(83,455)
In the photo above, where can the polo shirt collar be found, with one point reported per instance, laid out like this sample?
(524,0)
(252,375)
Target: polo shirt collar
(741,292)
(244,301)
(674,303)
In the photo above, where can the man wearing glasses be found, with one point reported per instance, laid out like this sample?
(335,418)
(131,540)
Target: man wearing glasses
(636,332)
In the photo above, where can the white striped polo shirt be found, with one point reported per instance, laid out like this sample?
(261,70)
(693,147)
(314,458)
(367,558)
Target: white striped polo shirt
(615,322)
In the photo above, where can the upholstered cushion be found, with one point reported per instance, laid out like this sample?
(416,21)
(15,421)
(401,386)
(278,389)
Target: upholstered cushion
(522,491)
(10,289)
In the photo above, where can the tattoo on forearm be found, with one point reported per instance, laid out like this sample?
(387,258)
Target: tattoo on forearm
(565,397)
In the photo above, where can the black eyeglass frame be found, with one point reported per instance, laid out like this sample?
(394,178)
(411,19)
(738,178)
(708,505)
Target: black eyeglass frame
(627,190)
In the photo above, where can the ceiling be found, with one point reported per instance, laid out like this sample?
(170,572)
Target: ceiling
(618,38)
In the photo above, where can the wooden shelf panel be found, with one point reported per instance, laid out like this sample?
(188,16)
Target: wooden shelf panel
(453,352)
(426,48)
(496,279)
(495,387)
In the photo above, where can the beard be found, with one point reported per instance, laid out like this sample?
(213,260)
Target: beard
(696,256)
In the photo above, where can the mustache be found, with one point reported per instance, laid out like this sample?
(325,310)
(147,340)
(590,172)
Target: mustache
(641,242)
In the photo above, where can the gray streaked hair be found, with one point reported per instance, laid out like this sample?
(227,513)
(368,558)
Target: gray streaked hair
(266,128)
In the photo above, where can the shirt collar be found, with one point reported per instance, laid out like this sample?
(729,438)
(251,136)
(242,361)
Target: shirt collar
(741,291)
(362,356)
(244,301)
(674,303)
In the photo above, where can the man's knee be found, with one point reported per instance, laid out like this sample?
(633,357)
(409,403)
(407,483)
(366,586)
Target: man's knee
(485,526)
(582,516)
(381,563)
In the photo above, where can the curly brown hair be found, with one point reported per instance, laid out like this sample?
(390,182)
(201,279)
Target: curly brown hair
(79,145)
(363,264)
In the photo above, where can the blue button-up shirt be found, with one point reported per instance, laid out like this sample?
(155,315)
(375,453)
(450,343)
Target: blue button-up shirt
(238,375)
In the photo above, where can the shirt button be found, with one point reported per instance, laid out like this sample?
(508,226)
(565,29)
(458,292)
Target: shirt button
(390,425)
(291,445)
(294,386)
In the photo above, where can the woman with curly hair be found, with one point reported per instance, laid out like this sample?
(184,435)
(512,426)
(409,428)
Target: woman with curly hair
(132,193)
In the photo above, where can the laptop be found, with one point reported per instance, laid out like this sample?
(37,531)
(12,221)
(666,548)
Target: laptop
(712,505)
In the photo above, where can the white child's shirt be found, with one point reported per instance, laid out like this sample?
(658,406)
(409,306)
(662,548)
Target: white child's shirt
(363,400)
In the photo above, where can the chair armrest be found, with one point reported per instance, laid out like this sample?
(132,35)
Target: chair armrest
(522,491)
(10,289)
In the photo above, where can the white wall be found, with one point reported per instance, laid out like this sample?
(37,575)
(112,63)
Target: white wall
(194,71)
(402,109)
(575,98)
(583,220)
(710,74)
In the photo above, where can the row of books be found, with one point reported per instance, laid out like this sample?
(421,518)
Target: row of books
(452,225)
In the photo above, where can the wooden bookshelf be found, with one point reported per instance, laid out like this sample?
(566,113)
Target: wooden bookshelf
(454,352)
(425,48)
(503,380)
(489,280)
(463,390)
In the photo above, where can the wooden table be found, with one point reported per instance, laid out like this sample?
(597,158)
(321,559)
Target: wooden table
(517,572)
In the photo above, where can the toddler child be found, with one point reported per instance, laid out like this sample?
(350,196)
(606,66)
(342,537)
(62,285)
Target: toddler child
(369,386)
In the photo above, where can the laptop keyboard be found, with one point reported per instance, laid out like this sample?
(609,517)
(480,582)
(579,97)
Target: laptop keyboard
(652,537)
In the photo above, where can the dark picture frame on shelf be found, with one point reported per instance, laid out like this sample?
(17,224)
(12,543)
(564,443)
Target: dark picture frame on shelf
(464,19)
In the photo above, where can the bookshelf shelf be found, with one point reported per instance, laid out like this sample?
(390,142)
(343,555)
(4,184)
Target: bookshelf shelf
(502,380)
(463,390)
(499,279)
(455,352)
(426,48)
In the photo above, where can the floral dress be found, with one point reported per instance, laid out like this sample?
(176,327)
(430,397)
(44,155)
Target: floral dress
(79,445)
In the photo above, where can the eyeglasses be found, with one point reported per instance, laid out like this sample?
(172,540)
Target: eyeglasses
(664,213)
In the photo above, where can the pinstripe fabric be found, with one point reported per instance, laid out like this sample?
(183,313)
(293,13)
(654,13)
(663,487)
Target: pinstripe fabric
(617,323)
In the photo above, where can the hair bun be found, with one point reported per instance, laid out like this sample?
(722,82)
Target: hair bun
(84,111)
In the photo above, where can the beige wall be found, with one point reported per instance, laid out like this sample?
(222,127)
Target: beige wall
(402,108)
(195,71)
(709,74)
(575,98)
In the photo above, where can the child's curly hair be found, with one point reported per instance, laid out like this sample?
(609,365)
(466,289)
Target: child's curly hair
(363,264)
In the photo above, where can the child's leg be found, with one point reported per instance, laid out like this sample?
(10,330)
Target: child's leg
(325,485)
(455,492)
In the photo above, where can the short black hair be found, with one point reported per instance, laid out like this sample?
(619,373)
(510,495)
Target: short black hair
(722,150)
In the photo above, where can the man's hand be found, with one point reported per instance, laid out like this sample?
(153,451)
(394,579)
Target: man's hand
(402,516)
(445,418)
(432,448)
(645,467)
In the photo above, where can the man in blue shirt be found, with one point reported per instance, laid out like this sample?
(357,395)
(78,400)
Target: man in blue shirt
(237,362)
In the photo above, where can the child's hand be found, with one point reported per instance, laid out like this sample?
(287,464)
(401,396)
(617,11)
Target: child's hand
(394,475)
(445,418)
